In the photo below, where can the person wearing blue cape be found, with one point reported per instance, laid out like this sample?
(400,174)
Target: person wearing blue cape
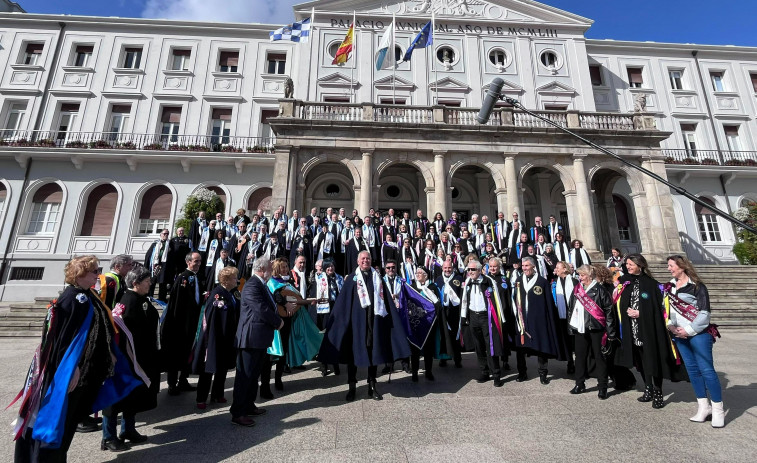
(437,333)
(76,370)
(362,331)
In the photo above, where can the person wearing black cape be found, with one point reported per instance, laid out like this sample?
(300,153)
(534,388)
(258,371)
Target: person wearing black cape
(361,331)
(137,320)
(497,274)
(428,289)
(450,286)
(302,245)
(179,327)
(352,249)
(158,258)
(644,340)
(214,353)
(537,331)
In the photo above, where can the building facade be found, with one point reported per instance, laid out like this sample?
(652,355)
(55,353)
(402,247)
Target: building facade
(108,124)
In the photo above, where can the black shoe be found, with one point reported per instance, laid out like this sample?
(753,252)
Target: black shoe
(114,445)
(430,376)
(173,391)
(265,392)
(521,378)
(300,367)
(287,370)
(602,394)
(506,367)
(278,384)
(543,378)
(351,393)
(647,397)
(337,371)
(579,389)
(87,426)
(571,368)
(442,363)
(658,401)
(185,386)
(373,392)
(386,370)
(324,372)
(415,377)
(458,364)
(499,382)
(133,436)
(406,367)
(483,378)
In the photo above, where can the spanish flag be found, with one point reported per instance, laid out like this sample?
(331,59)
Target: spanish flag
(343,53)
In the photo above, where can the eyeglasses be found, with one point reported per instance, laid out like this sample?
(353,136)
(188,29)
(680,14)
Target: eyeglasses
(390,268)
(471,269)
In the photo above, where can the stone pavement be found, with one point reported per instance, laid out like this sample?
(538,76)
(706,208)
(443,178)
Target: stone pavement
(452,419)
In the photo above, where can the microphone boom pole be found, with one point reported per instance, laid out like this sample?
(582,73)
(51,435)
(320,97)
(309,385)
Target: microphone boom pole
(515,103)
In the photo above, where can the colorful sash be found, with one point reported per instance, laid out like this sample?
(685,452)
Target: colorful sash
(616,300)
(686,310)
(593,308)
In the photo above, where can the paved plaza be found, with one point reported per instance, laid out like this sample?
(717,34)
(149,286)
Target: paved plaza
(452,419)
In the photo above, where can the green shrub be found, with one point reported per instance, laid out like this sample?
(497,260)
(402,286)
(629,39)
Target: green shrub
(202,200)
(745,249)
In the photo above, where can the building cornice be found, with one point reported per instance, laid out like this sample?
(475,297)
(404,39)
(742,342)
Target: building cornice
(594,45)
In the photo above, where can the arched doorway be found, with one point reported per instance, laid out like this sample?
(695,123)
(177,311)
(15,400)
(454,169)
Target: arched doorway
(329,184)
(473,193)
(260,199)
(401,187)
(543,195)
(614,215)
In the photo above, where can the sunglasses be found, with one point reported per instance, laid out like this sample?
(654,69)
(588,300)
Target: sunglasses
(471,269)
(390,268)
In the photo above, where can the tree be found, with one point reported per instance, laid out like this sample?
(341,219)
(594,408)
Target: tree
(745,249)
(202,200)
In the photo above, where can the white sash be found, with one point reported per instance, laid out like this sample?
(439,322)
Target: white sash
(584,256)
(379,307)
(427,293)
(450,296)
(212,253)
(322,292)
(527,287)
(563,296)
(204,239)
(218,268)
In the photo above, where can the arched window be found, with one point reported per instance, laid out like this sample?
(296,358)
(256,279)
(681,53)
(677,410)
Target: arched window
(621,215)
(709,230)
(101,210)
(45,210)
(260,199)
(3,196)
(155,213)
(221,194)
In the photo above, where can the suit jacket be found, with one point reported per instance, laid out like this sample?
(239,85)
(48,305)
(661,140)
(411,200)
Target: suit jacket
(258,318)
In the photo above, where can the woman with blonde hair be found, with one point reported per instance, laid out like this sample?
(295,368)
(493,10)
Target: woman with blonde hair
(689,309)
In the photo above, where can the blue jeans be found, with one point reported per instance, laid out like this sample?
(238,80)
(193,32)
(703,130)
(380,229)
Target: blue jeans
(110,423)
(696,353)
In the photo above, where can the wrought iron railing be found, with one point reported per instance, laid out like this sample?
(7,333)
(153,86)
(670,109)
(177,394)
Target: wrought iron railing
(697,157)
(136,141)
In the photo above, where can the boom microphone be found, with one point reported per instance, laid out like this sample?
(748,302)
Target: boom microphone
(492,97)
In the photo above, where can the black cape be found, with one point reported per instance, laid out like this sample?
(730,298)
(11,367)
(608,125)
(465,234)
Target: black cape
(214,350)
(540,321)
(177,333)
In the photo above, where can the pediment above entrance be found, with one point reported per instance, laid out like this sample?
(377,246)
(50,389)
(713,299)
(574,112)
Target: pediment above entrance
(510,88)
(336,79)
(556,87)
(518,11)
(449,84)
(395,82)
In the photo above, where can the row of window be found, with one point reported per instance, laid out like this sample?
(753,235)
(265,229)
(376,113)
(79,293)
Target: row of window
(676,76)
(689,132)
(131,58)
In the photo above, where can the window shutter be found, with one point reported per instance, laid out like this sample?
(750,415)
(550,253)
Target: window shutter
(180,52)
(85,49)
(156,203)
(223,114)
(257,197)
(171,114)
(35,48)
(101,210)
(731,130)
(121,108)
(229,58)
(635,76)
(69,107)
(48,193)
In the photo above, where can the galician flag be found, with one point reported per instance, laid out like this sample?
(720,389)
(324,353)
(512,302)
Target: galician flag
(343,53)
(386,49)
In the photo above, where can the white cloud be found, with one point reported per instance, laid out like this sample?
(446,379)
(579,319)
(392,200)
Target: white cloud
(245,11)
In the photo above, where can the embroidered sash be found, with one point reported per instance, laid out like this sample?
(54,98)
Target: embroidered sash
(593,308)
(378,293)
(686,310)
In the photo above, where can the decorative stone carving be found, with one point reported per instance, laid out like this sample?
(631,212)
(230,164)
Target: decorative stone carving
(640,103)
(289,88)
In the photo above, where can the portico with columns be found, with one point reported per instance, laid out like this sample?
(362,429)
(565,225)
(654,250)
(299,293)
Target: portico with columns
(365,164)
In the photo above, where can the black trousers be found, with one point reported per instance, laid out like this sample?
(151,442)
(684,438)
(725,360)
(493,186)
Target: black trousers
(173,377)
(428,356)
(649,380)
(249,362)
(520,355)
(479,326)
(352,373)
(590,341)
(569,341)
(203,386)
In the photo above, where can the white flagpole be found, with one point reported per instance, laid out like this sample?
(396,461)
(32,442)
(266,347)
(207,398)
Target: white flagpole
(433,65)
(311,37)
(394,62)
(354,56)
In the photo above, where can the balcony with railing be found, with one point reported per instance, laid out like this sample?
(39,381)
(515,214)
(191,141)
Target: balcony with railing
(693,157)
(504,116)
(136,141)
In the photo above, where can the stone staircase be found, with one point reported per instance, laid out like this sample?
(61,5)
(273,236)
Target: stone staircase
(733,295)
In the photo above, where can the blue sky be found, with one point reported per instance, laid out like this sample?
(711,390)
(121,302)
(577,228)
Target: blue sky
(681,21)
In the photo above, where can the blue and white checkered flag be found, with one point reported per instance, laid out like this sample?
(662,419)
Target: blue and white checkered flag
(297,32)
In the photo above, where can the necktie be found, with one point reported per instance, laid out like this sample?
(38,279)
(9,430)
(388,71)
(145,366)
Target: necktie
(197,290)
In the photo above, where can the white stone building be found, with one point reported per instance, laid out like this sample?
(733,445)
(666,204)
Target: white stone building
(107,124)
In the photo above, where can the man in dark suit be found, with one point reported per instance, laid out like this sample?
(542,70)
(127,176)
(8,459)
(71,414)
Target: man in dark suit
(258,319)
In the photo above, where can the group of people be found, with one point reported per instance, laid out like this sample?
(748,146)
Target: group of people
(365,293)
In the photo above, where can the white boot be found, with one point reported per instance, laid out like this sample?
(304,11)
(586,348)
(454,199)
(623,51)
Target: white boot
(718,415)
(704,411)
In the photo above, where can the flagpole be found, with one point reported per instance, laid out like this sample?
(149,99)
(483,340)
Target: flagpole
(436,74)
(311,37)
(354,56)
(394,62)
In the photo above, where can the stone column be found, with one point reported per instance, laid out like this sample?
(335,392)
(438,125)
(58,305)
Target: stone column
(366,180)
(662,222)
(281,177)
(292,183)
(642,222)
(587,232)
(440,187)
(570,204)
(501,194)
(422,194)
(482,185)
(511,183)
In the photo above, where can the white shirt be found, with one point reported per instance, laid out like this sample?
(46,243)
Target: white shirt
(476,301)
